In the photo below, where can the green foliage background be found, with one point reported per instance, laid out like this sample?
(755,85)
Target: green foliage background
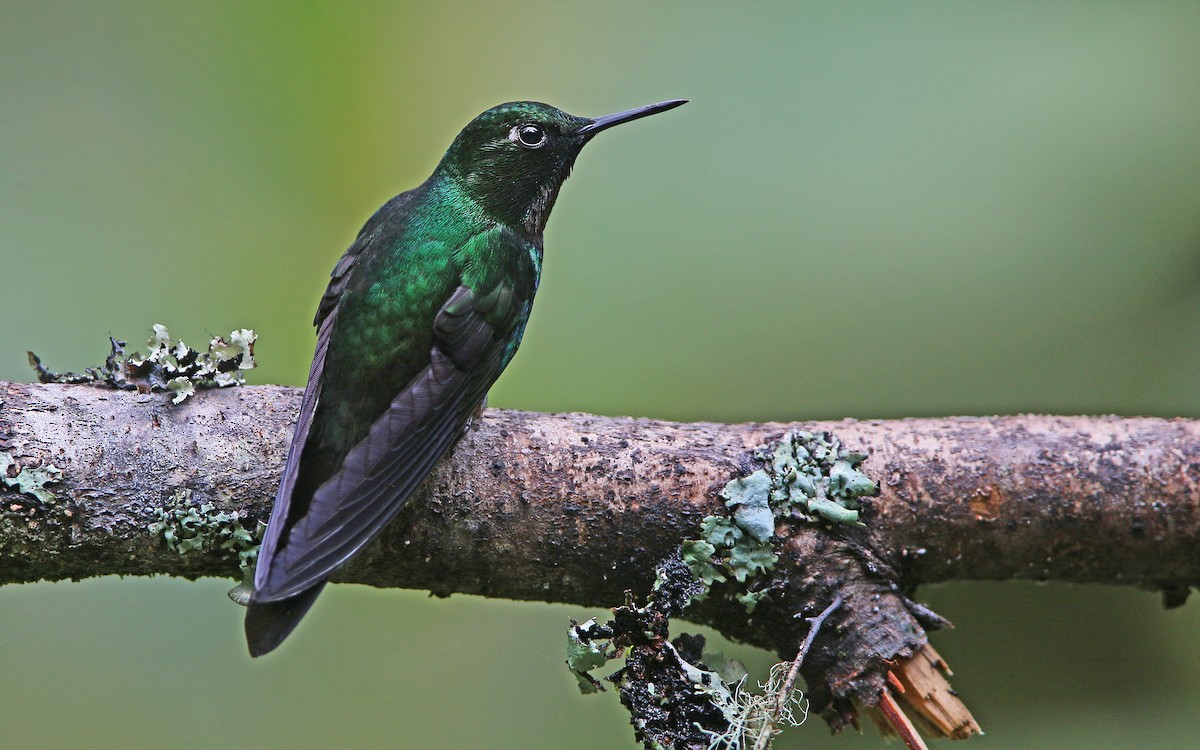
(869,209)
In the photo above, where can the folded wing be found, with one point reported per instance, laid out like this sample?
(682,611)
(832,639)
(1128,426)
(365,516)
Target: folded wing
(380,473)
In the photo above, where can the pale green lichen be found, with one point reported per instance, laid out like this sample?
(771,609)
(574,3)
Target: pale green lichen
(732,550)
(188,527)
(698,555)
(813,474)
(30,481)
(804,477)
(585,655)
(749,498)
(170,366)
(182,388)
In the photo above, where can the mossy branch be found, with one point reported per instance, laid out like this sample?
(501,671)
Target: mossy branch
(578,508)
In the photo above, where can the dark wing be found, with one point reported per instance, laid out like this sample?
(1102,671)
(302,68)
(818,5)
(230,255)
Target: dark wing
(267,624)
(473,338)
(380,472)
(324,321)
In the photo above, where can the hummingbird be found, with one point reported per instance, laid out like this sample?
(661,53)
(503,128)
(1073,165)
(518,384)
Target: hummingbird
(421,315)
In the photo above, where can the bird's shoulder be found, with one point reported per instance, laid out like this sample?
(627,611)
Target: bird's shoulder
(389,219)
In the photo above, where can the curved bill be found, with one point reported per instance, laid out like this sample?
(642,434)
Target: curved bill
(607,121)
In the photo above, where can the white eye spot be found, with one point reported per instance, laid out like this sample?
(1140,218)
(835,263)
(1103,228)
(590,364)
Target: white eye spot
(528,136)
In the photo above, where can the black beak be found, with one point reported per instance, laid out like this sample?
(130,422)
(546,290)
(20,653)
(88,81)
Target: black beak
(607,121)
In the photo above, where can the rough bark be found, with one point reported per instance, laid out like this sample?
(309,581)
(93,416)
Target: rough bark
(579,508)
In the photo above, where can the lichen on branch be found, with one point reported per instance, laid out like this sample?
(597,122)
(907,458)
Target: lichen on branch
(170,365)
(673,702)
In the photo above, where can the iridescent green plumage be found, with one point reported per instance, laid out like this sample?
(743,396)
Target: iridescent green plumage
(421,315)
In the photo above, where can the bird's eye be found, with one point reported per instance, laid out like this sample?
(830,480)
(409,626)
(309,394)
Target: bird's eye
(529,136)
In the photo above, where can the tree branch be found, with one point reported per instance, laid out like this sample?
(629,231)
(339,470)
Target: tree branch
(579,508)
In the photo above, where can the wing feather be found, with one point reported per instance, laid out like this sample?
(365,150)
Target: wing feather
(291,468)
(325,319)
(379,473)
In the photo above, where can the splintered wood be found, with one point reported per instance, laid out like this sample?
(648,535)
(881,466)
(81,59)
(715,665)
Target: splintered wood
(896,722)
(924,688)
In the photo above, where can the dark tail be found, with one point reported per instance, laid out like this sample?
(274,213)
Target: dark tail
(268,623)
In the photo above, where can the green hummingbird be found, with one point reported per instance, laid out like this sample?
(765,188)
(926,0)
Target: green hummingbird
(420,317)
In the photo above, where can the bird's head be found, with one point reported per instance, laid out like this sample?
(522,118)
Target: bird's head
(513,158)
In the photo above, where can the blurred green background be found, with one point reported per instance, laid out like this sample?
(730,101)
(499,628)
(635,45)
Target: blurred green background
(869,209)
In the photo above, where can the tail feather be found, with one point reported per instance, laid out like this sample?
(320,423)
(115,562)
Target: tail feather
(269,623)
